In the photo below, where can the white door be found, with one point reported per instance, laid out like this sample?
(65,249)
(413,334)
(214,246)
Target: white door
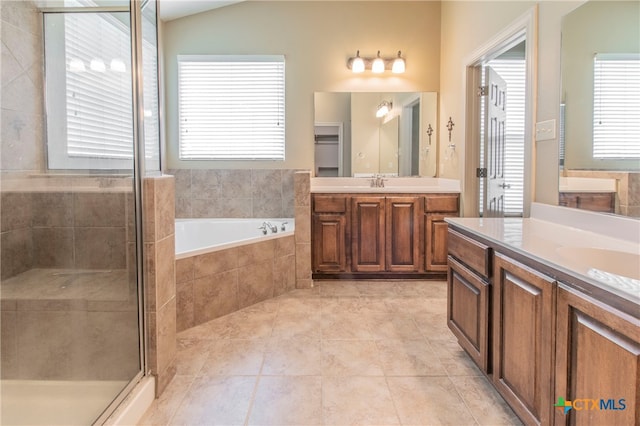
(495,125)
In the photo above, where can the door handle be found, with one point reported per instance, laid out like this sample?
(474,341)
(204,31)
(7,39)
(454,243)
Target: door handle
(505,185)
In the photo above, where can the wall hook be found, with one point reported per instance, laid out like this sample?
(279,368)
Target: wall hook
(450,125)
(429,132)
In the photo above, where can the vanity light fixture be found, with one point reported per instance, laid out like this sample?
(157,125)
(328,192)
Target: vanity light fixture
(398,64)
(357,63)
(383,108)
(377,65)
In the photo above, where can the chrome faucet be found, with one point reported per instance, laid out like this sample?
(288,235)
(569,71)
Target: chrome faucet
(377,181)
(268,226)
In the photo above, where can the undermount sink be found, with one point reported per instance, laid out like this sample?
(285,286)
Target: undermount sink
(613,261)
(391,184)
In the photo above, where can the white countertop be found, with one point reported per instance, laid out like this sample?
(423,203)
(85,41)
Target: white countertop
(580,184)
(403,185)
(609,263)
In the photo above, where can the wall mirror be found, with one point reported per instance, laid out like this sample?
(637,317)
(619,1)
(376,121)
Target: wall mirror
(353,136)
(599,126)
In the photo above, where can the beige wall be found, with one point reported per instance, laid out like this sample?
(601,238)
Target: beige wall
(468,26)
(22,146)
(316,38)
(599,27)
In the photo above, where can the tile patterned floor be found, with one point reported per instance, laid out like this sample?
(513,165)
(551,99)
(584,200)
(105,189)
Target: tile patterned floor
(343,353)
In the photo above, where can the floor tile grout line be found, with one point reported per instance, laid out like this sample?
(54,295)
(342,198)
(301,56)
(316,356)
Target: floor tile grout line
(393,401)
(182,400)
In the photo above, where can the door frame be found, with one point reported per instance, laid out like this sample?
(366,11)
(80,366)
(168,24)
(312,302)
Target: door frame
(340,126)
(523,28)
(405,148)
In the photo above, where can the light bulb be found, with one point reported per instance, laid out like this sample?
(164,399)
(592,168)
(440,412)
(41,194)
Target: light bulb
(398,65)
(118,65)
(383,109)
(76,65)
(357,65)
(378,65)
(98,65)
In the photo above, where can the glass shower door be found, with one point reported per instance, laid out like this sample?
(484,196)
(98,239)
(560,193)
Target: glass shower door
(71,323)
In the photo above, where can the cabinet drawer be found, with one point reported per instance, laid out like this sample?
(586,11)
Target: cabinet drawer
(329,204)
(441,203)
(468,312)
(470,252)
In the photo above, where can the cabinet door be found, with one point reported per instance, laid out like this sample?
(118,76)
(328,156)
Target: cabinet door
(597,358)
(435,242)
(368,236)
(468,312)
(403,234)
(523,339)
(329,250)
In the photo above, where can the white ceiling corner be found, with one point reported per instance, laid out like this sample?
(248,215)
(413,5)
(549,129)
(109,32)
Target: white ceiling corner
(174,9)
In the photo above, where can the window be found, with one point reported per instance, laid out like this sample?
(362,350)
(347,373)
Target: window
(231,107)
(616,106)
(89,102)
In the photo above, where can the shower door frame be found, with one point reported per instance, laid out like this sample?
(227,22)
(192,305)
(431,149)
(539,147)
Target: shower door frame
(137,96)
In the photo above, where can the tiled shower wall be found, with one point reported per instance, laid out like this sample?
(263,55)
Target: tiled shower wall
(22,87)
(63,230)
(234,193)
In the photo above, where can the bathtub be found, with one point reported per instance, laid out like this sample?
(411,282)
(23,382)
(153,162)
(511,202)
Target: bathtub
(224,265)
(200,236)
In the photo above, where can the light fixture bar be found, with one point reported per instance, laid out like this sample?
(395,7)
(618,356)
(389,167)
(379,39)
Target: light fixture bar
(358,64)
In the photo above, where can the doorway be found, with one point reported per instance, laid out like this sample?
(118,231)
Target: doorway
(500,148)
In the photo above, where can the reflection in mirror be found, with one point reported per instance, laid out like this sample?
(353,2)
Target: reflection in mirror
(600,110)
(352,140)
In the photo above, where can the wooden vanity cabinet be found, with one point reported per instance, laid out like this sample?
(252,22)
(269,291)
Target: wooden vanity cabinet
(437,207)
(603,202)
(538,339)
(468,296)
(597,357)
(403,234)
(380,235)
(523,339)
(368,234)
(329,224)
(385,234)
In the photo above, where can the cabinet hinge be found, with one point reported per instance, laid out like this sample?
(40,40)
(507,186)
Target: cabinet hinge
(483,90)
(481,172)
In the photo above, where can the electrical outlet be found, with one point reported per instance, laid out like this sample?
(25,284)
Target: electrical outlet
(546,130)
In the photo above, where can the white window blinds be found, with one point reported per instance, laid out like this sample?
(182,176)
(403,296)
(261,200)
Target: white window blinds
(99,98)
(89,104)
(513,71)
(231,107)
(616,106)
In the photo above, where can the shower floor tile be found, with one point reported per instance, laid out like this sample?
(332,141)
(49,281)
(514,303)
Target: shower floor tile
(360,353)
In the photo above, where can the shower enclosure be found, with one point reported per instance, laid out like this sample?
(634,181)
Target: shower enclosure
(80,129)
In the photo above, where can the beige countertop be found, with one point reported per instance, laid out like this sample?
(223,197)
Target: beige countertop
(600,259)
(404,185)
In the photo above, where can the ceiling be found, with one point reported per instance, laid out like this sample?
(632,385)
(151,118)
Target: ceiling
(174,9)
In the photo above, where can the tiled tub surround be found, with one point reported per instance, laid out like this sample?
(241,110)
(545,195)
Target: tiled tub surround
(67,294)
(160,278)
(628,188)
(233,193)
(223,281)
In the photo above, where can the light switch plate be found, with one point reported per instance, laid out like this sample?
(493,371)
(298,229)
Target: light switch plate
(546,130)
